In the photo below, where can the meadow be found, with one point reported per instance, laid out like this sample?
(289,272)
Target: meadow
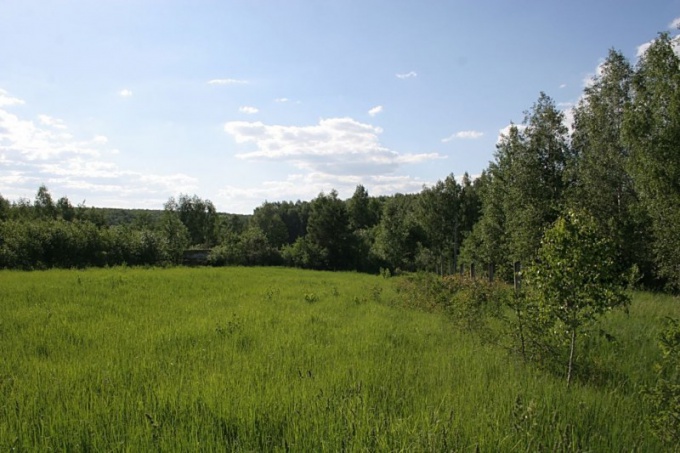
(273,359)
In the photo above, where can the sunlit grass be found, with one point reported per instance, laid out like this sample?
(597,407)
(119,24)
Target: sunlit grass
(281,359)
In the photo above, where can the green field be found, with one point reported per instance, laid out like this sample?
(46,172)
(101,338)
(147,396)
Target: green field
(269,359)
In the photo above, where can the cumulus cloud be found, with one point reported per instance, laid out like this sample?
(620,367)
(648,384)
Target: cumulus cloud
(125,93)
(569,117)
(281,100)
(407,75)
(52,122)
(228,82)
(25,139)
(503,133)
(675,24)
(340,146)
(375,110)
(469,135)
(248,110)
(6,100)
(642,48)
(591,77)
(33,152)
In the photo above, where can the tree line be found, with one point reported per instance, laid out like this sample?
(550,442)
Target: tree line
(618,165)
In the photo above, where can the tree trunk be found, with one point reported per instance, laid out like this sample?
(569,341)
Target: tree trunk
(521,327)
(571,355)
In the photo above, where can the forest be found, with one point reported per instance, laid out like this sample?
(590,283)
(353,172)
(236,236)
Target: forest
(617,168)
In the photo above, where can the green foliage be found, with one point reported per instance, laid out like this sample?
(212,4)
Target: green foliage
(652,132)
(471,304)
(328,231)
(176,234)
(41,244)
(227,253)
(65,209)
(524,189)
(362,213)
(438,213)
(574,280)
(48,243)
(474,303)
(665,395)
(198,216)
(251,248)
(601,183)
(5,207)
(305,254)
(488,241)
(257,249)
(44,205)
(268,220)
(399,233)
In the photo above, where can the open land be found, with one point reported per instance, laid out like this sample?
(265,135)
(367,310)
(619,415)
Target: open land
(273,359)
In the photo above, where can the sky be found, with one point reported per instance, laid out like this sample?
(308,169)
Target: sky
(126,103)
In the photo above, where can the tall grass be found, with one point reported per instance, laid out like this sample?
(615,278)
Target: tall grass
(274,359)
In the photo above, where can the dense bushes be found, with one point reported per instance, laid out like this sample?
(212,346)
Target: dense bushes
(665,395)
(472,304)
(251,248)
(42,244)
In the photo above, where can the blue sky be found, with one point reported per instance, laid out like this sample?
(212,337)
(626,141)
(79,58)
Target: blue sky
(126,103)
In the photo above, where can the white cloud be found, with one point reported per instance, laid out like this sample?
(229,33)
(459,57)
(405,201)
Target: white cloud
(36,152)
(25,139)
(125,93)
(590,78)
(338,146)
(6,100)
(281,100)
(470,135)
(563,85)
(52,122)
(675,24)
(375,110)
(407,75)
(228,82)
(503,133)
(642,48)
(248,110)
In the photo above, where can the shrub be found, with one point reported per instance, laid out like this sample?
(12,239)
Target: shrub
(665,395)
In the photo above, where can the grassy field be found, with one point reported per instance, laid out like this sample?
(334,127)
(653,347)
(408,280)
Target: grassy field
(244,359)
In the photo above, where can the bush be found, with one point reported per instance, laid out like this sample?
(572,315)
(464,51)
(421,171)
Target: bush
(305,254)
(665,395)
(472,304)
